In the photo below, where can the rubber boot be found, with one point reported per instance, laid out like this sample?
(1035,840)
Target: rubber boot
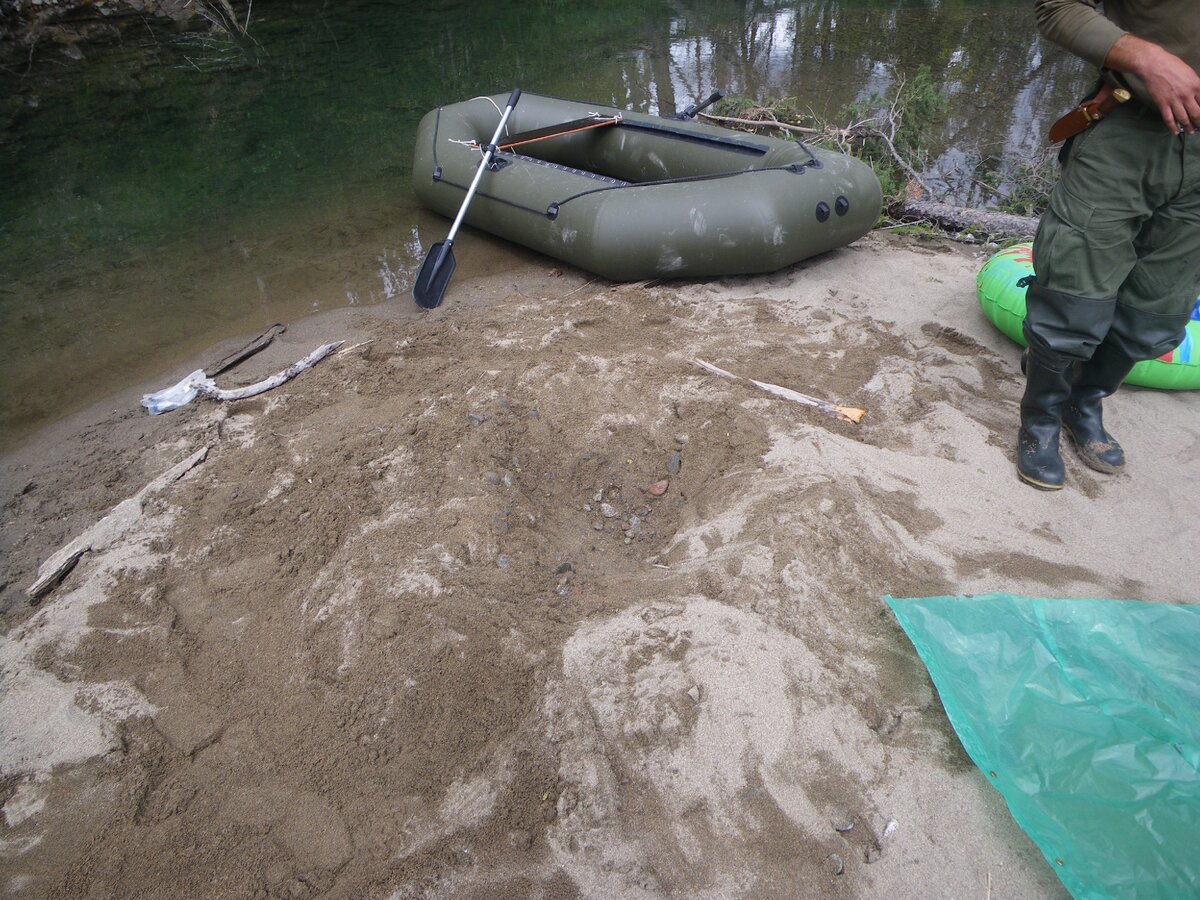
(1047,387)
(1083,418)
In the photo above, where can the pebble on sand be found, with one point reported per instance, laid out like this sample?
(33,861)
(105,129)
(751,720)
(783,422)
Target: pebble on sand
(674,462)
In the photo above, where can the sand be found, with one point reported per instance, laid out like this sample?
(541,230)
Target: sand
(417,625)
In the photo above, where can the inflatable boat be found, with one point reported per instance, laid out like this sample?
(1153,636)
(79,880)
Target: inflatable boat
(631,196)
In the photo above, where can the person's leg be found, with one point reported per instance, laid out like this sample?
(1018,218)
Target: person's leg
(1154,304)
(1084,251)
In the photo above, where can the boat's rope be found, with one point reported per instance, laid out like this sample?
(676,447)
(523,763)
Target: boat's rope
(489,100)
(495,106)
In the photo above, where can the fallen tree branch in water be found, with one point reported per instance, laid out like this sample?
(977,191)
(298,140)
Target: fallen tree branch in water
(892,135)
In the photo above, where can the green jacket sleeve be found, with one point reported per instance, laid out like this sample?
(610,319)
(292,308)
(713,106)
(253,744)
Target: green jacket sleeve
(1078,26)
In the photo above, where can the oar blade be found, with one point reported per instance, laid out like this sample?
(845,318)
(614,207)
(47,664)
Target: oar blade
(434,275)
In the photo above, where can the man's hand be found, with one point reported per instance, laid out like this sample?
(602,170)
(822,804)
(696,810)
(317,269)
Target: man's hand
(1174,86)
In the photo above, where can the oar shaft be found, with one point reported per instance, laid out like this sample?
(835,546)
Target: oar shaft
(488,153)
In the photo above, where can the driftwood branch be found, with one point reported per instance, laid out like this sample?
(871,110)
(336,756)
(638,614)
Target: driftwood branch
(208,387)
(772,122)
(197,383)
(908,170)
(259,343)
(105,532)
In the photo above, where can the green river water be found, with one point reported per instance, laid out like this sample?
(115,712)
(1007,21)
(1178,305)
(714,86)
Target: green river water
(171,191)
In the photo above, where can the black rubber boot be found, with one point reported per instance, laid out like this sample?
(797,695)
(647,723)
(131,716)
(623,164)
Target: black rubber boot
(1061,330)
(1083,419)
(1047,387)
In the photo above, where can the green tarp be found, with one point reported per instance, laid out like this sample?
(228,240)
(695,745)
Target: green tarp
(1085,715)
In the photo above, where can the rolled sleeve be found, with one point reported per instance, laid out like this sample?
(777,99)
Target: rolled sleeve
(1078,26)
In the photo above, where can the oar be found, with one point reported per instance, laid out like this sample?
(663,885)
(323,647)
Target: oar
(434,276)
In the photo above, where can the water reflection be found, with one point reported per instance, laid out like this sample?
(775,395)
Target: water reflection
(173,191)
(1003,88)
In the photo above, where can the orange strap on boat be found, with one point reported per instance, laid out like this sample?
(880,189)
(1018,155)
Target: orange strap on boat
(541,134)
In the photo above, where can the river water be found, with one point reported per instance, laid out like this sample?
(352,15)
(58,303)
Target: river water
(171,191)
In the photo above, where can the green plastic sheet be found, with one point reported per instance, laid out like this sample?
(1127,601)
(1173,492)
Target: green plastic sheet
(1085,715)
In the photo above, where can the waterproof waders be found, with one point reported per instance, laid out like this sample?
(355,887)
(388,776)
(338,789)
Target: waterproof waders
(1117,257)
(1083,418)
(1047,387)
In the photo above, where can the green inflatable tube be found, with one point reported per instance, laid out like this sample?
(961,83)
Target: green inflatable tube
(1003,302)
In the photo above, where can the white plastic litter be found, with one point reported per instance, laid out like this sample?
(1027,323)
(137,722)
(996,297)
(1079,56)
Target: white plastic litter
(176,395)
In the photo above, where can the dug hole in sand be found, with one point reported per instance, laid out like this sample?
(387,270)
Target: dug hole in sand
(418,626)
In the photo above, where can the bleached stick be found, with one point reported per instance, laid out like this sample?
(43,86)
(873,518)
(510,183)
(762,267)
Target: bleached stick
(849,413)
(208,388)
(101,535)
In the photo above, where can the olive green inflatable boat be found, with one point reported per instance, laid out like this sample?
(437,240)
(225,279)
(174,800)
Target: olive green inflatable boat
(643,197)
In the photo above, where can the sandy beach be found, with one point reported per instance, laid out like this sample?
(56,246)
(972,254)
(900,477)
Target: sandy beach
(426,621)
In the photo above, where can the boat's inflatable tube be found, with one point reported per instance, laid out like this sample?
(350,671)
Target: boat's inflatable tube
(648,197)
(1003,302)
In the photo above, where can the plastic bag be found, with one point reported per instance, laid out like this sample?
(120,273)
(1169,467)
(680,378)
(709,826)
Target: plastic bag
(1085,715)
(175,396)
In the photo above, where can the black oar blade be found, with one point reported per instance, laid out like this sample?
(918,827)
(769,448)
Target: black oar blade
(434,276)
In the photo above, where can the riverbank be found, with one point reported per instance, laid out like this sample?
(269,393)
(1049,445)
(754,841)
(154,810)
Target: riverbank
(425,621)
(71,26)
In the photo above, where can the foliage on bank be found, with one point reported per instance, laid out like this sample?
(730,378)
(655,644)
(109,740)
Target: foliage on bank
(27,26)
(891,133)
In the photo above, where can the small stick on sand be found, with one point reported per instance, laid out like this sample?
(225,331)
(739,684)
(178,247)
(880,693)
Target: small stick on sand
(353,347)
(849,413)
(577,290)
(107,530)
